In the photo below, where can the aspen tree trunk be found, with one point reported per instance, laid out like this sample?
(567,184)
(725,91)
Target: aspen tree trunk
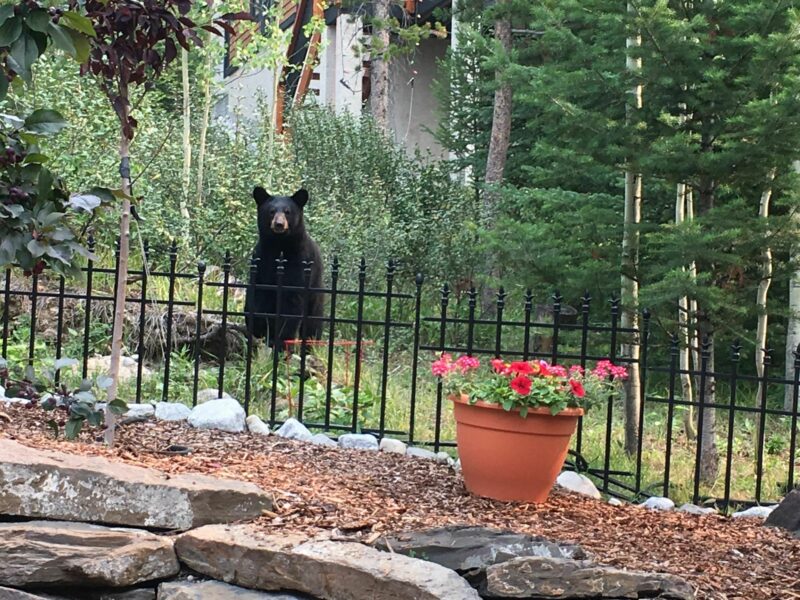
(379,66)
(762,293)
(629,285)
(793,329)
(187,142)
(686,315)
(201,151)
(122,274)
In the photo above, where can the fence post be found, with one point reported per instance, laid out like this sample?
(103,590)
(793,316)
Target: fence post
(34,303)
(142,322)
(736,354)
(501,303)
(248,318)
(557,299)
(87,310)
(673,364)
(303,321)
(762,421)
(6,311)
(793,433)
(419,280)
(390,269)
(226,275)
(275,335)
(586,301)
(59,325)
(331,339)
(645,339)
(173,258)
(472,296)
(445,299)
(526,337)
(610,408)
(201,273)
(705,354)
(362,276)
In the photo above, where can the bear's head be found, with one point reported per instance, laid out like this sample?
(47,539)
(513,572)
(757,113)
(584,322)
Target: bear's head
(280,216)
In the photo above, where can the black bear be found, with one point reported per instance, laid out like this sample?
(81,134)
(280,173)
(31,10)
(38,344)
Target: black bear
(282,231)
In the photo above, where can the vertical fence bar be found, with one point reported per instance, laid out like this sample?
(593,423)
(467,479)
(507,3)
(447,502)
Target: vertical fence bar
(586,301)
(275,335)
(793,433)
(34,303)
(303,327)
(59,325)
(419,280)
(362,276)
(645,344)
(173,258)
(557,298)
(331,339)
(705,354)
(498,334)
(87,307)
(610,408)
(673,366)
(445,300)
(142,321)
(390,269)
(472,302)
(6,311)
(736,354)
(226,278)
(248,318)
(526,336)
(762,421)
(201,274)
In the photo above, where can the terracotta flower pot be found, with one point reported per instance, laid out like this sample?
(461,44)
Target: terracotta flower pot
(507,457)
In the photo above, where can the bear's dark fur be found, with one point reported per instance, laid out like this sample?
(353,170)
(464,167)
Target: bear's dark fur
(281,230)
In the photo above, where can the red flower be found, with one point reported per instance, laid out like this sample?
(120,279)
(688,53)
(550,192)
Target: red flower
(544,369)
(521,368)
(499,366)
(577,388)
(521,384)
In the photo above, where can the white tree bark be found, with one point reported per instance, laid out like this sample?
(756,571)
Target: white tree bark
(793,329)
(187,139)
(207,98)
(629,284)
(379,66)
(686,325)
(763,288)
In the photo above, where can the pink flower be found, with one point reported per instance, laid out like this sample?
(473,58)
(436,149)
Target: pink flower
(577,388)
(442,366)
(576,370)
(544,369)
(499,366)
(467,363)
(521,384)
(619,372)
(558,371)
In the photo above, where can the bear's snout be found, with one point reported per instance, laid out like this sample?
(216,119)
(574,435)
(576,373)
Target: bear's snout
(279,223)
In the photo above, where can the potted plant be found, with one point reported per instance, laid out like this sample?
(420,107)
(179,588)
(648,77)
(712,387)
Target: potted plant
(514,420)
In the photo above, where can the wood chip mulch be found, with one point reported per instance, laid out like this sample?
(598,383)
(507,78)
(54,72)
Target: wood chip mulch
(364,495)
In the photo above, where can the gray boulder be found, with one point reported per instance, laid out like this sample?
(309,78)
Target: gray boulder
(358,441)
(292,429)
(320,439)
(216,590)
(225,414)
(787,515)
(172,411)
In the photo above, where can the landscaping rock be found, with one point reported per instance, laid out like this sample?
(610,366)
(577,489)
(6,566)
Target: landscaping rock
(138,411)
(787,515)
(216,590)
(257,426)
(321,439)
(172,411)
(756,512)
(54,485)
(658,503)
(615,501)
(93,594)
(225,414)
(358,441)
(128,367)
(421,453)
(470,550)
(207,394)
(12,594)
(392,446)
(292,429)
(580,484)
(42,553)
(444,458)
(543,577)
(324,569)
(693,509)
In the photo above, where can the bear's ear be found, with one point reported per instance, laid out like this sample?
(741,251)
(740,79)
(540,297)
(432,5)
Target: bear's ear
(260,195)
(300,197)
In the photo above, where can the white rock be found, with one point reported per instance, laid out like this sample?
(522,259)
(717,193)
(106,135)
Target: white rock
(758,512)
(210,394)
(693,509)
(457,466)
(358,441)
(580,484)
(172,411)
(321,439)
(658,503)
(421,453)
(225,414)
(292,429)
(140,410)
(5,400)
(615,501)
(392,446)
(444,457)
(257,426)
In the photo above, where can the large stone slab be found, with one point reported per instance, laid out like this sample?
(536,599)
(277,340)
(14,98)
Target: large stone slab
(787,515)
(46,553)
(541,577)
(12,594)
(55,485)
(324,569)
(216,590)
(470,550)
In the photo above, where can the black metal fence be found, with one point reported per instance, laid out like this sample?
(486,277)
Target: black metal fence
(388,326)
